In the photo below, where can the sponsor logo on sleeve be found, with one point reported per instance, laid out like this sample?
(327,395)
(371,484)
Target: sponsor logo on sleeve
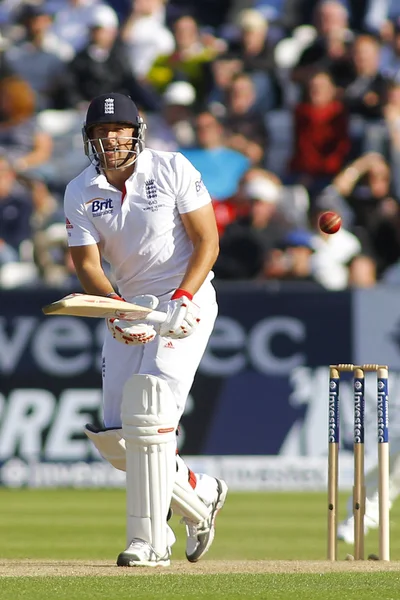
(200,187)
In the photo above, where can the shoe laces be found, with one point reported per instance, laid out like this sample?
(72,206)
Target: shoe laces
(138,542)
(196,529)
(142,543)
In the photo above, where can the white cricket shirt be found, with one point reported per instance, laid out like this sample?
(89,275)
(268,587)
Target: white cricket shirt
(140,233)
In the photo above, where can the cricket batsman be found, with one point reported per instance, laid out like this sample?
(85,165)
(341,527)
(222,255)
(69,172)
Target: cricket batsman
(149,215)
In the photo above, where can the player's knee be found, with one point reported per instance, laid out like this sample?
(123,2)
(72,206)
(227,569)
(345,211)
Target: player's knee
(148,412)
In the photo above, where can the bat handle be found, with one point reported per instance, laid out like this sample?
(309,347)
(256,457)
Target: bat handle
(155,316)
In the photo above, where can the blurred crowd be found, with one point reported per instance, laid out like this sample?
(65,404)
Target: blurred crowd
(286,107)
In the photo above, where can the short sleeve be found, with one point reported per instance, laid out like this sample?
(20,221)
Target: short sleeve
(191,191)
(80,230)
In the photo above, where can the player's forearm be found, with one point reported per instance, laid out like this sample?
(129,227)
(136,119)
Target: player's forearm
(94,281)
(201,262)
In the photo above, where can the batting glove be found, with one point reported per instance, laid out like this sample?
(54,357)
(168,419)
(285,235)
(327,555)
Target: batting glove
(182,318)
(131,333)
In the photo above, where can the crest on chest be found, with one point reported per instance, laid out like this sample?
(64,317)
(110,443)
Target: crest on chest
(151,189)
(152,196)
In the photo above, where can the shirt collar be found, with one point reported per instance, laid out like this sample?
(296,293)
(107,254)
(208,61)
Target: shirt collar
(143,163)
(93,177)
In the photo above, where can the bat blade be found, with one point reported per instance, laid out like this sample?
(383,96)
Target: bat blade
(101,307)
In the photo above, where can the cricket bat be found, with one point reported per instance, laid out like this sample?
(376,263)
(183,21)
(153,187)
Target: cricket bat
(101,307)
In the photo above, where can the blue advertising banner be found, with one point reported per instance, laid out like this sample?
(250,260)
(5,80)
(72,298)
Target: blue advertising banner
(241,401)
(260,389)
(246,377)
(376,326)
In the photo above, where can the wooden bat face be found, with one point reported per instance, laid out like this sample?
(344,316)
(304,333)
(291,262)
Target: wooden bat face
(86,305)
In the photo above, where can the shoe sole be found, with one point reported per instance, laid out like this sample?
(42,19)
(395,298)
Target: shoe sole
(130,560)
(222,493)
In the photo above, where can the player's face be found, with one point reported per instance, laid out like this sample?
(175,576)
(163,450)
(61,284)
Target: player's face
(114,144)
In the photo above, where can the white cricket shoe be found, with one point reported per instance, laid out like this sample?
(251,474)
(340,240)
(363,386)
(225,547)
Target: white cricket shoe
(346,528)
(141,554)
(200,536)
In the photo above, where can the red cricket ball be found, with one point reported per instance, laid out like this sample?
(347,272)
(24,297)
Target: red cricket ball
(329,222)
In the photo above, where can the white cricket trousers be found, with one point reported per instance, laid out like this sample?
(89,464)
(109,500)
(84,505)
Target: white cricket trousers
(175,361)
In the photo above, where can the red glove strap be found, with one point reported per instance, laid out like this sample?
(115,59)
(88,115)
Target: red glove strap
(115,296)
(180,292)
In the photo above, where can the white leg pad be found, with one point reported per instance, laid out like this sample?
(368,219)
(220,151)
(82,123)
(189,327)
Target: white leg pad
(185,501)
(149,422)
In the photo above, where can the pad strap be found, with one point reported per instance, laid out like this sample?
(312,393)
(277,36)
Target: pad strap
(185,502)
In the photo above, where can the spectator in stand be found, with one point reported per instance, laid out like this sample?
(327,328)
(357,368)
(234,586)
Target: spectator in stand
(146,35)
(296,13)
(237,206)
(223,70)
(293,201)
(390,52)
(321,136)
(27,208)
(27,148)
(172,127)
(334,254)
(244,124)
(213,13)
(220,166)
(376,16)
(16,209)
(390,138)
(37,24)
(330,50)
(362,272)
(384,136)
(363,195)
(191,60)
(103,65)
(292,260)
(365,95)
(39,57)
(391,113)
(53,258)
(178,102)
(246,242)
(72,21)
(256,54)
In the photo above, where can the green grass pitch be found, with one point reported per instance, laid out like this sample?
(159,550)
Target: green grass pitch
(85,531)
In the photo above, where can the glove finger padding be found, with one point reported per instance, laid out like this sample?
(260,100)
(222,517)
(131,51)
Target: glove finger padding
(131,334)
(191,319)
(182,318)
(177,318)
